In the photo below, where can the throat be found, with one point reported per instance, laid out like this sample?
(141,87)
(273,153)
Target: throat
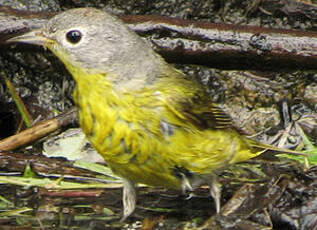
(98,110)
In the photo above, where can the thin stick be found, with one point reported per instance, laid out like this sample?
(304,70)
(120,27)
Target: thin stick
(38,131)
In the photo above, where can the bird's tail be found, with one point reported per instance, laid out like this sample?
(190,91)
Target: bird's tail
(265,147)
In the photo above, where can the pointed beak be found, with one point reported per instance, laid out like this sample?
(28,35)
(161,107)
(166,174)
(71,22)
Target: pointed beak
(34,37)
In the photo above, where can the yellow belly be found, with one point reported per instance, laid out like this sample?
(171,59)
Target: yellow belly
(127,132)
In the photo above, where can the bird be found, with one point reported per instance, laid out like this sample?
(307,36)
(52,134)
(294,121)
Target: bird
(151,123)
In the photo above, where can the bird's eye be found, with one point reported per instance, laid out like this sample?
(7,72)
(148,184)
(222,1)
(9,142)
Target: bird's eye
(73,36)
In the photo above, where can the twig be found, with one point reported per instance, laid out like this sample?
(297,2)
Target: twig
(39,130)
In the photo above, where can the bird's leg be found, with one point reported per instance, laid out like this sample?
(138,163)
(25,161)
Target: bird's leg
(215,191)
(186,186)
(129,198)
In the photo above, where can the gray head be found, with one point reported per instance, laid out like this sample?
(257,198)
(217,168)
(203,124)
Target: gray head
(100,43)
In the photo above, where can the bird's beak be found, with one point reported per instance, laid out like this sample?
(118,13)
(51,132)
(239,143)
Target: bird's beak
(34,37)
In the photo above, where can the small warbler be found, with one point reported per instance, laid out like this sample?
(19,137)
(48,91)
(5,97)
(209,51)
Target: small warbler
(150,122)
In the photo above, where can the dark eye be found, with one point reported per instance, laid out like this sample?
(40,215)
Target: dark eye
(74,36)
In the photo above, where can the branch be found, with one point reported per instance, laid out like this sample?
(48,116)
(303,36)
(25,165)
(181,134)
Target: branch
(191,42)
(227,46)
(39,130)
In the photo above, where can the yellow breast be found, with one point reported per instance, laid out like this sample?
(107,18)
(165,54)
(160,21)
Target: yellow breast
(126,129)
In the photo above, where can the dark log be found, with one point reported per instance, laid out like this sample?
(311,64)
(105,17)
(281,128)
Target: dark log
(191,42)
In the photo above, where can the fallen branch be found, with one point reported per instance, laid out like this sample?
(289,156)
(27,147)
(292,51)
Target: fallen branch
(41,165)
(191,42)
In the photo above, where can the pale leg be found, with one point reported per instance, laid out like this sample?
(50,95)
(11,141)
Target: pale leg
(129,198)
(215,191)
